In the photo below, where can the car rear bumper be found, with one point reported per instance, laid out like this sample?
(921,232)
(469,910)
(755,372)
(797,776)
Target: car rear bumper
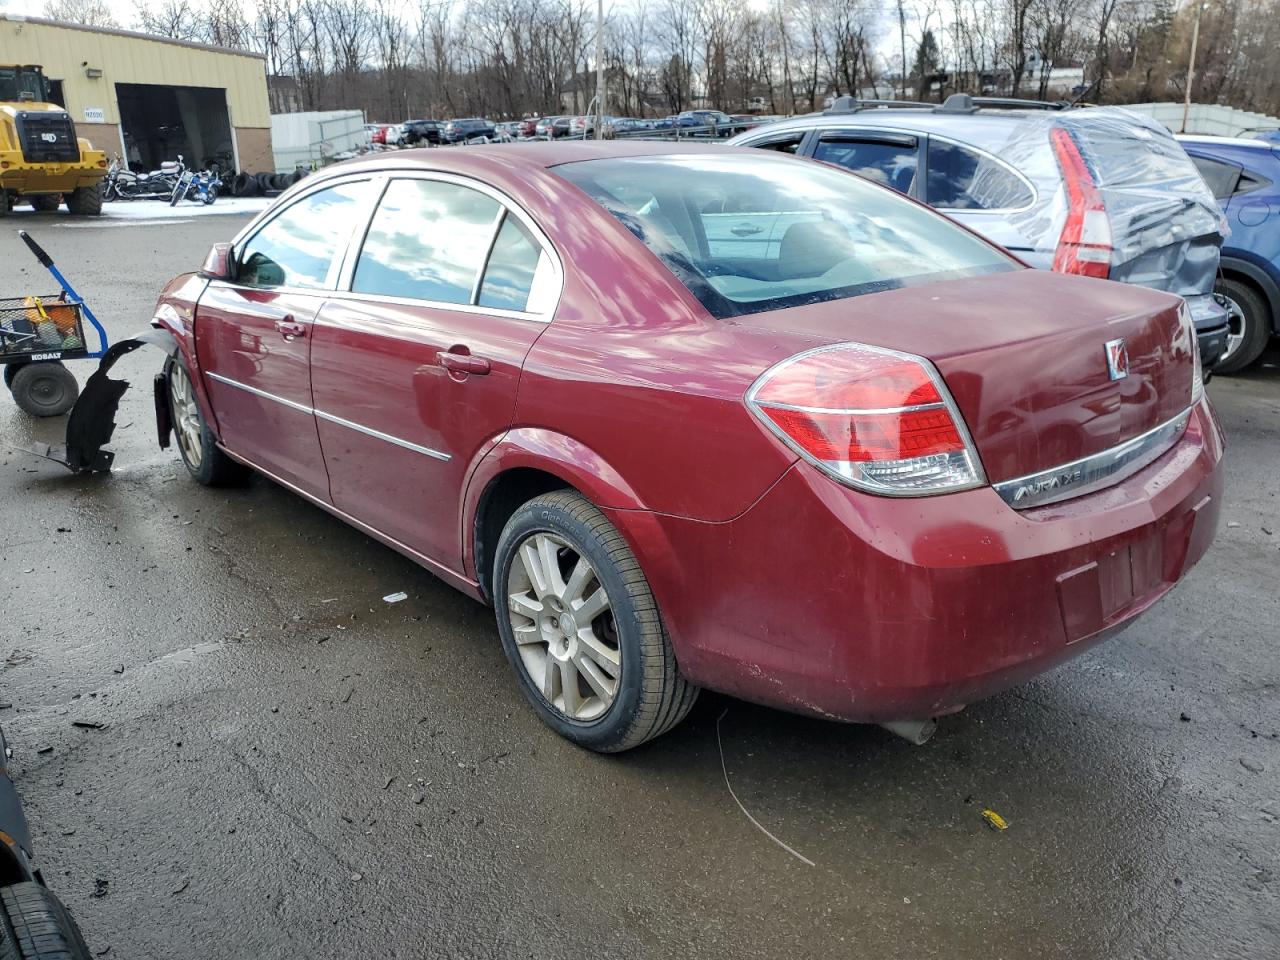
(1210,319)
(823,600)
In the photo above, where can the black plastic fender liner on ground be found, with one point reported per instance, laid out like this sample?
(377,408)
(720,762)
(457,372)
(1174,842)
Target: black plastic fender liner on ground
(92,419)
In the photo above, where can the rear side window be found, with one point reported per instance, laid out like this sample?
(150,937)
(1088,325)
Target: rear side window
(809,233)
(893,164)
(963,179)
(508,277)
(297,247)
(1222,178)
(428,241)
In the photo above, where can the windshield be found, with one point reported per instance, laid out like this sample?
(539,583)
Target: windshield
(21,84)
(752,233)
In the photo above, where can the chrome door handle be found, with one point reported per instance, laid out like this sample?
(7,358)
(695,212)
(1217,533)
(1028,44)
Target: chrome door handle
(745,231)
(290,328)
(463,363)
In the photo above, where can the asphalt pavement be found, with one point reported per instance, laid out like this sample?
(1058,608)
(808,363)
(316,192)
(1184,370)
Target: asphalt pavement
(290,767)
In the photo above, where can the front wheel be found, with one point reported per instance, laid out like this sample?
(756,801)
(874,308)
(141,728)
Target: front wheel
(1249,325)
(581,628)
(206,463)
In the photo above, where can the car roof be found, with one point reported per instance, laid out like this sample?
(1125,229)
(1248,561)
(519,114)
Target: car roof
(527,158)
(979,125)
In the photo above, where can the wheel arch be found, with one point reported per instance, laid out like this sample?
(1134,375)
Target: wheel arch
(525,463)
(1237,268)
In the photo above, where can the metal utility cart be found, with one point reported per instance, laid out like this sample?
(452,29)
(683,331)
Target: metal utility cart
(37,333)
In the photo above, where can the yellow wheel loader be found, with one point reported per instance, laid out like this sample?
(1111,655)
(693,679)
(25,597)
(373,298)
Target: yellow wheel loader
(41,159)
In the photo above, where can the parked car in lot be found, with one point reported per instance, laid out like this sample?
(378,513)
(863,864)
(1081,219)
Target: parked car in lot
(554,128)
(420,132)
(849,460)
(1244,175)
(528,127)
(470,128)
(378,132)
(1098,192)
(717,122)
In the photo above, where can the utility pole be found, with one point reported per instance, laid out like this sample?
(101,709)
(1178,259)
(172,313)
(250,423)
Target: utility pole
(902,38)
(599,120)
(1191,66)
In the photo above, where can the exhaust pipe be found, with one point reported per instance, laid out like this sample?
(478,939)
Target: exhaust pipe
(915,731)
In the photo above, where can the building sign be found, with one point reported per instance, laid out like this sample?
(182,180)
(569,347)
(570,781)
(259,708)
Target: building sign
(95,115)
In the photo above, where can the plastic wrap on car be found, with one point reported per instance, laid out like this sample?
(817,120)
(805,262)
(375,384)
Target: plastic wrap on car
(1166,227)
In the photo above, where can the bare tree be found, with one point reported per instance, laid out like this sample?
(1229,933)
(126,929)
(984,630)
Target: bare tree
(92,13)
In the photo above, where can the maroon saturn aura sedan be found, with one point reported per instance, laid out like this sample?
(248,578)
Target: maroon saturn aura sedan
(706,417)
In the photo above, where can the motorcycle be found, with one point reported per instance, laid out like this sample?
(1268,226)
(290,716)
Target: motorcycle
(200,187)
(159,184)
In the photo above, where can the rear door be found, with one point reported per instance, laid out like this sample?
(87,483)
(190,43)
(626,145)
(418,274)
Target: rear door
(253,334)
(416,360)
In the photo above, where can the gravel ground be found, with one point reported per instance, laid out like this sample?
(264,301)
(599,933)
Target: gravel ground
(290,767)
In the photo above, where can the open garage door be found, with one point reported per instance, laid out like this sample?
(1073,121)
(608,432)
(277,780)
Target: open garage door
(159,122)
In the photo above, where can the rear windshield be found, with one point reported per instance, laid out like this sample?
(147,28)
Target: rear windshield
(748,233)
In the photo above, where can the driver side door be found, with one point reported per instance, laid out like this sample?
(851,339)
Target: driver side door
(253,333)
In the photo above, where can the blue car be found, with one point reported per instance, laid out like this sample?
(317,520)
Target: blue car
(1245,177)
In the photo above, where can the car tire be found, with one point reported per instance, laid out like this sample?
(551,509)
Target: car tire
(609,684)
(46,202)
(45,388)
(35,925)
(264,182)
(244,185)
(86,201)
(197,445)
(1250,325)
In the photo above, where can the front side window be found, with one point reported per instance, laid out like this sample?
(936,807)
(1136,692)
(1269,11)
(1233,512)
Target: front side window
(823,235)
(962,179)
(428,241)
(788,144)
(881,161)
(298,247)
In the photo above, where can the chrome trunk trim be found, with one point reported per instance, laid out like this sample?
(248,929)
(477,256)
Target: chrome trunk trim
(1092,473)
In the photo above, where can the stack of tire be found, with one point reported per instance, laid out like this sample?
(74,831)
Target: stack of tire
(263,184)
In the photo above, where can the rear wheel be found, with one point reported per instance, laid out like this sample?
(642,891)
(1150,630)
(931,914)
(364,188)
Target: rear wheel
(1249,323)
(44,389)
(35,925)
(11,371)
(582,629)
(85,201)
(46,203)
(207,464)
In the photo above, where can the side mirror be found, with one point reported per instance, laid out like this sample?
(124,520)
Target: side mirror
(218,264)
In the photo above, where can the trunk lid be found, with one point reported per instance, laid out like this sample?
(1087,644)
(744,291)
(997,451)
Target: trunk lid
(1024,355)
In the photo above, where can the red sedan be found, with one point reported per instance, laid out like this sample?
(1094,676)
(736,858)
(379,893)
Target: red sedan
(704,417)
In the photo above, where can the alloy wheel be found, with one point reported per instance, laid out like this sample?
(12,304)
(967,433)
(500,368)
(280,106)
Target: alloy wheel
(564,627)
(1235,327)
(186,415)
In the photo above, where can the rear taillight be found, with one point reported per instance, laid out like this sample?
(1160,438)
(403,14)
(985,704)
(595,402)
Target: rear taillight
(1084,247)
(875,419)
